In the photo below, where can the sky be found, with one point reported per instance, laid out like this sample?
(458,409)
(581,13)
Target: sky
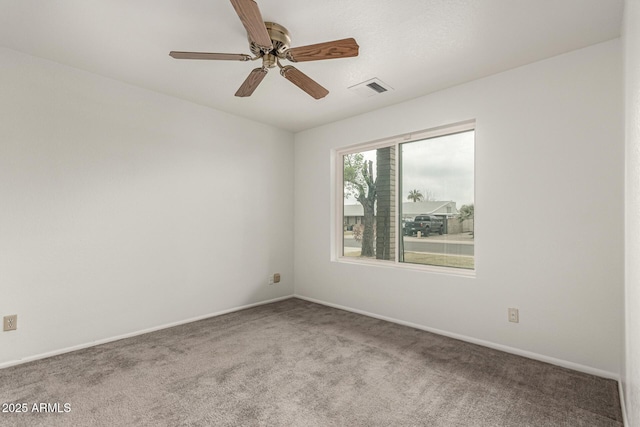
(441,167)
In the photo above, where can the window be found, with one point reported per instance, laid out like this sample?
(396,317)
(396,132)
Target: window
(409,200)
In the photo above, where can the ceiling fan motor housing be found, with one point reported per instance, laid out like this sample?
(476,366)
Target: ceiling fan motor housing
(279,37)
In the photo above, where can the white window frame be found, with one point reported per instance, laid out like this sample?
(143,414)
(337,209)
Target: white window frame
(338,216)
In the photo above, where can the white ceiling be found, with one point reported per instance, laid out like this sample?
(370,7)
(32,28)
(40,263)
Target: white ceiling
(415,46)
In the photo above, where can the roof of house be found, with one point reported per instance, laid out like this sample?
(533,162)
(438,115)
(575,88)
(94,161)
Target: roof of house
(411,208)
(434,207)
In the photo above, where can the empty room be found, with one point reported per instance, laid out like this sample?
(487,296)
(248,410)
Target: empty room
(279,213)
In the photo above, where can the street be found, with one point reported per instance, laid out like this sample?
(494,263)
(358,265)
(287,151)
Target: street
(446,244)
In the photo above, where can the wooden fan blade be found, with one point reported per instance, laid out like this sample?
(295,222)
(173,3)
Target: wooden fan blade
(344,48)
(251,82)
(207,55)
(251,18)
(303,81)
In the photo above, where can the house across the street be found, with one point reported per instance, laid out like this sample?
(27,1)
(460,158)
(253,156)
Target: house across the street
(354,214)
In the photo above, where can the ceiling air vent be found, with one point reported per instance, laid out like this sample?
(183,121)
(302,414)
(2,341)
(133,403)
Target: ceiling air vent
(371,87)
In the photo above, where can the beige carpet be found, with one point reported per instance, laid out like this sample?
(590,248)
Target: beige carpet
(294,363)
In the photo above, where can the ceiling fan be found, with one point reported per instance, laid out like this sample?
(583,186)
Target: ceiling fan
(271,43)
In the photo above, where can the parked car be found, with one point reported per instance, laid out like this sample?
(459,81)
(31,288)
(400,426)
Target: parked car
(425,224)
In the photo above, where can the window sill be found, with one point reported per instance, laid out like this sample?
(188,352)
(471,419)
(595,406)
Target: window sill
(449,271)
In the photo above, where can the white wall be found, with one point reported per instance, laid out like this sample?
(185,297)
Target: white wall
(631,376)
(549,154)
(123,209)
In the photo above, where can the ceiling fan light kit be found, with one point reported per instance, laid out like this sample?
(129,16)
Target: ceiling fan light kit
(271,42)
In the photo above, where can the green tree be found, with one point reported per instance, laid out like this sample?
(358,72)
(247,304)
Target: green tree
(415,196)
(360,183)
(465,212)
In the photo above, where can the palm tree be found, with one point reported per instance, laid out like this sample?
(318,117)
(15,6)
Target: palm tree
(415,195)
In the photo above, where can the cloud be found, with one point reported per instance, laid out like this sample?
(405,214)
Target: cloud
(443,167)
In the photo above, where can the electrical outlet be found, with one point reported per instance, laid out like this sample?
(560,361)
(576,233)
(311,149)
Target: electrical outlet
(276,278)
(513,315)
(270,280)
(10,323)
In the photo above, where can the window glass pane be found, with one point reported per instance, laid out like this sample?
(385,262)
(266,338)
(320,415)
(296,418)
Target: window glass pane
(369,183)
(437,203)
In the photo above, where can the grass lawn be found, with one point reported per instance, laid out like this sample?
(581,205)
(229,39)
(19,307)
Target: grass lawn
(432,259)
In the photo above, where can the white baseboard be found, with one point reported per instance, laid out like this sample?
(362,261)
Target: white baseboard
(136,333)
(623,406)
(506,349)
